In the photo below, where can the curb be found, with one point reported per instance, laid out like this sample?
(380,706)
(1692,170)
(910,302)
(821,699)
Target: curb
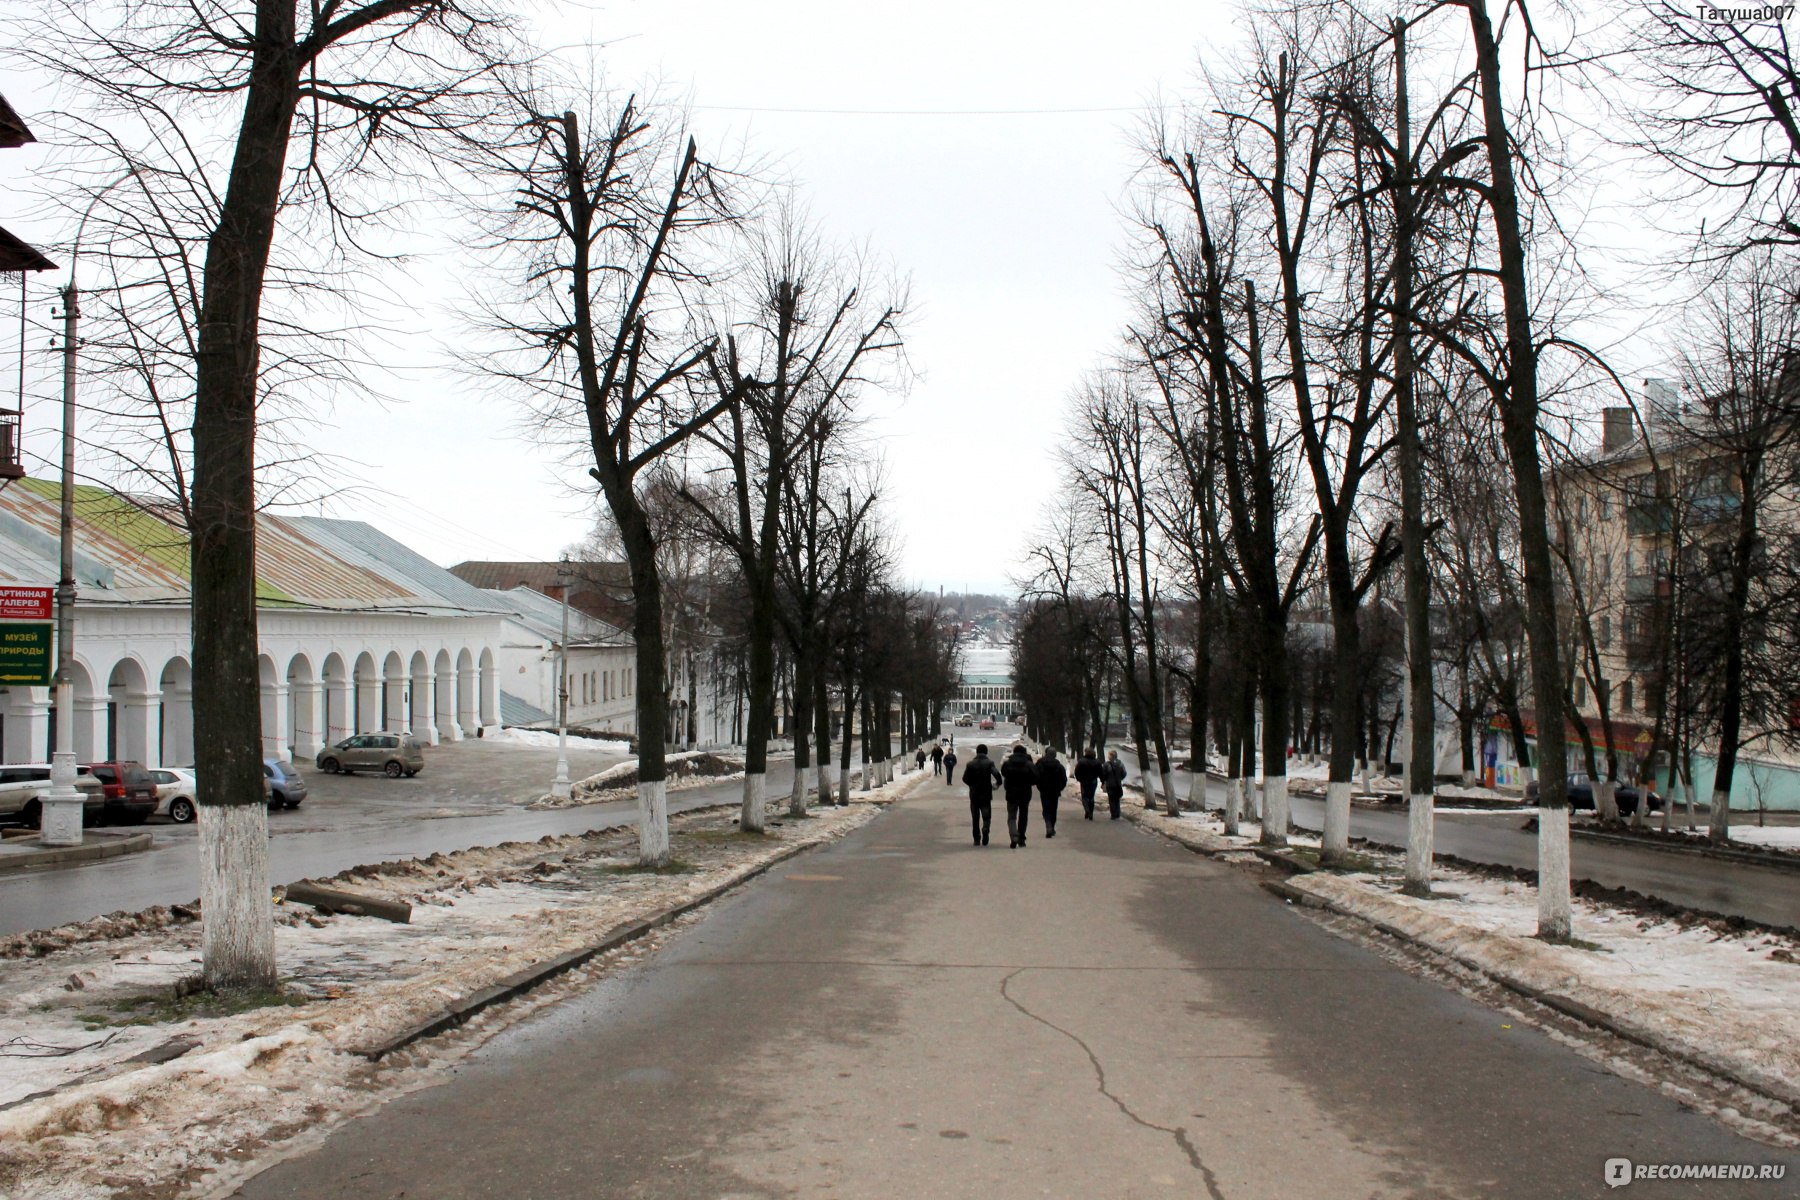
(1781,862)
(520,982)
(89,851)
(1575,1009)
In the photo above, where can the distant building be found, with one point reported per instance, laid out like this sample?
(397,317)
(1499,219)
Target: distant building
(356,631)
(986,686)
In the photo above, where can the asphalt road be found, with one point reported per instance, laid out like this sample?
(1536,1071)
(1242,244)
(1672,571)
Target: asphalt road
(468,795)
(1103,1014)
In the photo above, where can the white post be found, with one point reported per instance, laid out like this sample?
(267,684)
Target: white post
(560,786)
(60,820)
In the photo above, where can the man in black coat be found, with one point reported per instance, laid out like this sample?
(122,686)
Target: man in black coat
(1020,776)
(937,759)
(980,776)
(1112,774)
(1087,774)
(1052,778)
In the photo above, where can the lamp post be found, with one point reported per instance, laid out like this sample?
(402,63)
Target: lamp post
(559,787)
(60,820)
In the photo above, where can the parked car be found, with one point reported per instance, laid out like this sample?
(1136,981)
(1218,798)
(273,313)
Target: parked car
(23,787)
(964,720)
(129,794)
(987,722)
(177,794)
(396,754)
(282,781)
(1581,795)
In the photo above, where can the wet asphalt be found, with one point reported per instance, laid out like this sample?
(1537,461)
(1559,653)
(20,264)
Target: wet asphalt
(1099,1015)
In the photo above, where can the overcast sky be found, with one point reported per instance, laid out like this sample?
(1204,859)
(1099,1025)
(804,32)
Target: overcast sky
(914,141)
(984,149)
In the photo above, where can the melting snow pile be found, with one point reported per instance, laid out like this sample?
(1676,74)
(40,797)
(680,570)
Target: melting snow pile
(112,1083)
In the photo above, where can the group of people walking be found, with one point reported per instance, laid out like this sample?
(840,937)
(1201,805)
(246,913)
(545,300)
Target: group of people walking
(1019,778)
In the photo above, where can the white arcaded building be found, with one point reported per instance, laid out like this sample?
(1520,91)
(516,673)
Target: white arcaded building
(357,633)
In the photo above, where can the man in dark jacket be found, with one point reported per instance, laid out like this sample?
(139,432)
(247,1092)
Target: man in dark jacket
(1020,777)
(1112,774)
(950,766)
(1087,774)
(937,759)
(1052,778)
(980,776)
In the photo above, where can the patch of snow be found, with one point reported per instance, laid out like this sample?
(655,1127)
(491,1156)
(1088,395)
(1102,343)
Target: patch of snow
(545,739)
(1785,837)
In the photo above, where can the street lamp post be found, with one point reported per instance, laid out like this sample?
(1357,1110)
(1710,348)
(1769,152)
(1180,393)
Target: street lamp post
(60,818)
(559,787)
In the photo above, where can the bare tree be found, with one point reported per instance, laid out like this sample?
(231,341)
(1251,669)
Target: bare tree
(356,86)
(608,242)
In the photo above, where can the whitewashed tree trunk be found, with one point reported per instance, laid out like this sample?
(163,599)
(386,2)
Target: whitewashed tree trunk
(237,920)
(822,782)
(797,795)
(755,809)
(1718,822)
(844,783)
(1421,837)
(1275,810)
(1688,798)
(1171,805)
(1637,814)
(653,823)
(1336,841)
(1555,915)
(1197,788)
(1234,805)
(1606,800)
(1362,765)
(1253,800)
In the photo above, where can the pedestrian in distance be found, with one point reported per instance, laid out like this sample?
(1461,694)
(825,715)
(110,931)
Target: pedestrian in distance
(1052,778)
(919,758)
(1112,776)
(1020,776)
(980,776)
(950,766)
(1087,774)
(937,759)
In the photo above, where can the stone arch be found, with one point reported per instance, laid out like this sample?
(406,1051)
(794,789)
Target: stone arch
(89,712)
(24,724)
(468,694)
(365,708)
(339,702)
(490,688)
(272,687)
(421,700)
(443,698)
(393,692)
(305,721)
(176,683)
(131,714)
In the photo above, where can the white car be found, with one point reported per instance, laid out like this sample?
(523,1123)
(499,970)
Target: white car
(175,792)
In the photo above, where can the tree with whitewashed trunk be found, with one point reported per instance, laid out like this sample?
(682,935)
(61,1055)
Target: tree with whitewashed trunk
(613,232)
(368,92)
(804,340)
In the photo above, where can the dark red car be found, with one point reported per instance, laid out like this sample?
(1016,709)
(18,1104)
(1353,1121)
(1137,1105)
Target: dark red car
(128,793)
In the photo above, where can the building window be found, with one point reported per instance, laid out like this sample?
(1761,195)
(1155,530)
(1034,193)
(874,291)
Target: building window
(1625,696)
(1581,693)
(1606,631)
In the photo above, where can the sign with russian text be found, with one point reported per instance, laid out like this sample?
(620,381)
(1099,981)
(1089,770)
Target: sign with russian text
(27,603)
(25,657)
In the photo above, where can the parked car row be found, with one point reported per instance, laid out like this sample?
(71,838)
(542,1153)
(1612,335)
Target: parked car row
(121,792)
(1581,795)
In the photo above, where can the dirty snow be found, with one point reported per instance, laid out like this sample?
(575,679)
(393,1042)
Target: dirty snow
(545,739)
(1784,837)
(1727,999)
(260,1077)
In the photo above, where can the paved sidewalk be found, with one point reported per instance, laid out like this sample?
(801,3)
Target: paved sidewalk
(1102,1015)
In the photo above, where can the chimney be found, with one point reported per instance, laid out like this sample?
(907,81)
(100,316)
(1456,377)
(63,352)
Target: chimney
(1617,432)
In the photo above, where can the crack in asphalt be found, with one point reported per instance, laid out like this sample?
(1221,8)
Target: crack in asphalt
(1180,1134)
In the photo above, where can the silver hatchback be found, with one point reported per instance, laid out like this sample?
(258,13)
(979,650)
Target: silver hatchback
(395,754)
